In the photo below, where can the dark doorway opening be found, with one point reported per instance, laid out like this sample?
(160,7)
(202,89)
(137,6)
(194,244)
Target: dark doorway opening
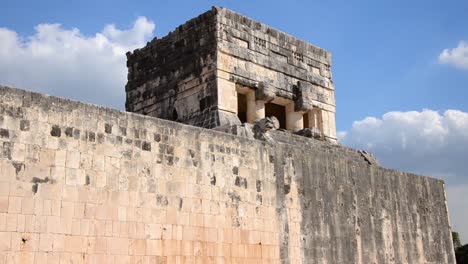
(242,107)
(278,111)
(305,117)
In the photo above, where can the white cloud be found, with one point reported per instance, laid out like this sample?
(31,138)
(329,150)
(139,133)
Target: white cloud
(66,63)
(425,142)
(457,56)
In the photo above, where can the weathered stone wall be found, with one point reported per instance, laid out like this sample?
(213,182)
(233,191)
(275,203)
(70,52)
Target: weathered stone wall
(250,52)
(174,77)
(85,184)
(192,74)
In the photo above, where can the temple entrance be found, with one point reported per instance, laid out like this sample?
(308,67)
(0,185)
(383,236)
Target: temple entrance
(305,118)
(278,111)
(242,107)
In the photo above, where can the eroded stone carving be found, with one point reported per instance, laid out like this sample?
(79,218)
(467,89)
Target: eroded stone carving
(304,97)
(264,125)
(310,133)
(265,92)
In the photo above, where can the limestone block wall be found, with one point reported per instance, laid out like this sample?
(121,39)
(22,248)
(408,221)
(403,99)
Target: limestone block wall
(174,77)
(250,52)
(193,75)
(85,184)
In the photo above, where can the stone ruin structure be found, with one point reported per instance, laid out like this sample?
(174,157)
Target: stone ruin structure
(81,183)
(223,68)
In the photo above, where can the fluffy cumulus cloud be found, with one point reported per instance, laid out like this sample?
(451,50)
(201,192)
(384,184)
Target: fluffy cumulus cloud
(67,63)
(457,56)
(426,142)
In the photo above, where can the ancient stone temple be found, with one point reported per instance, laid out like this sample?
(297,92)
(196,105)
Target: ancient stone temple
(223,68)
(266,183)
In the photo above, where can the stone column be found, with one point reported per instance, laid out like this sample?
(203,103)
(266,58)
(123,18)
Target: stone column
(307,119)
(255,108)
(294,120)
(316,119)
(312,118)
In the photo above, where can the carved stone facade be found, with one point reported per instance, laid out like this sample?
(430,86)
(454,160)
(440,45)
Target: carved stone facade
(223,68)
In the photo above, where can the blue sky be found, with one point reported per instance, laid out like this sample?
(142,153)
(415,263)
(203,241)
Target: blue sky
(384,52)
(394,87)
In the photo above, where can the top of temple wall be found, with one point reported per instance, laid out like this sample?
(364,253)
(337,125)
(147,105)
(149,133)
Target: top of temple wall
(272,35)
(221,15)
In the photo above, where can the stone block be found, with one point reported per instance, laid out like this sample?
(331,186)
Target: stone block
(75,177)
(23,257)
(73,159)
(304,95)
(14,205)
(47,157)
(4,188)
(29,223)
(117,246)
(154,247)
(75,244)
(265,91)
(227,99)
(60,158)
(53,225)
(4,204)
(27,242)
(5,241)
(46,242)
(18,153)
(27,205)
